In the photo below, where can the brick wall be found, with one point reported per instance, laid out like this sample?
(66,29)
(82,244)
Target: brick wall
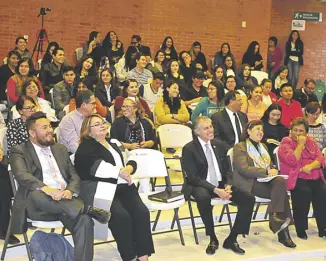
(314,37)
(209,21)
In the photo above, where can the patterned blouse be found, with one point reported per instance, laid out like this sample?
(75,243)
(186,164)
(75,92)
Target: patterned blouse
(16,133)
(319,133)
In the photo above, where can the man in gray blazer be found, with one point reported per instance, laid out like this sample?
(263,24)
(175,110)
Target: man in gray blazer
(49,187)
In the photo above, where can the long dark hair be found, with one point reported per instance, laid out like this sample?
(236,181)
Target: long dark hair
(219,89)
(250,125)
(86,82)
(26,84)
(174,103)
(47,58)
(91,71)
(214,73)
(233,64)
(290,37)
(125,85)
(251,49)
(91,37)
(168,71)
(273,106)
(30,64)
(164,43)
(241,75)
(229,52)
(107,40)
(130,61)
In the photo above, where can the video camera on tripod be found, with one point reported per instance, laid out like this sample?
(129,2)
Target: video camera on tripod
(43,11)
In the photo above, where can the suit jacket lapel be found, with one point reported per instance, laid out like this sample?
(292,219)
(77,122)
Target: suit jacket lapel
(33,154)
(227,120)
(199,148)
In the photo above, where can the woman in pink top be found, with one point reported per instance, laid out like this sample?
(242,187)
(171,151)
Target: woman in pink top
(301,159)
(256,106)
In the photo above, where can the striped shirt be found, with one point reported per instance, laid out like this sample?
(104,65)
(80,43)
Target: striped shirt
(142,78)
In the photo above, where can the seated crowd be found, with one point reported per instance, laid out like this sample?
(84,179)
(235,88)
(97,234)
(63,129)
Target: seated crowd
(127,96)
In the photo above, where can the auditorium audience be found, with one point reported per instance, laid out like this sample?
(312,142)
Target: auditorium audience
(274,57)
(316,130)
(211,104)
(229,66)
(256,107)
(195,91)
(244,80)
(99,160)
(170,109)
(47,58)
(274,130)
(220,56)
(291,109)
(229,122)
(198,57)
(231,85)
(253,57)
(63,91)
(93,47)
(251,161)
(132,128)
(86,69)
(307,93)
(187,66)
(158,65)
(52,73)
(70,125)
(16,129)
(130,90)
(106,90)
(301,159)
(24,73)
(153,91)
(136,41)
(6,71)
(294,56)
(173,73)
(84,85)
(126,63)
(218,75)
(21,47)
(113,47)
(268,97)
(281,78)
(140,73)
(169,50)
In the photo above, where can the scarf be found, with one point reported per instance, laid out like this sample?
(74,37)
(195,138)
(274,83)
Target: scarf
(259,155)
(134,131)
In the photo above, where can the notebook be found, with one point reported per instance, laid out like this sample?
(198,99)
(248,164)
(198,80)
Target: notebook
(166,196)
(267,179)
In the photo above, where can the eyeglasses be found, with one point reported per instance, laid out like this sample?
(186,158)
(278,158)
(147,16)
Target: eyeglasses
(134,43)
(99,124)
(230,82)
(126,107)
(29,108)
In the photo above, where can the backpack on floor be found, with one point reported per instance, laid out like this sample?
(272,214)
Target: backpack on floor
(50,247)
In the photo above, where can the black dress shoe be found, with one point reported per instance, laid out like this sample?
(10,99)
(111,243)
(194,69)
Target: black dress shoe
(211,248)
(322,233)
(277,224)
(98,214)
(12,240)
(285,239)
(234,246)
(302,234)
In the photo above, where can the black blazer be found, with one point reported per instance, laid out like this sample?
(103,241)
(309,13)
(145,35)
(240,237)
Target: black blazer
(298,52)
(88,157)
(303,98)
(27,170)
(223,129)
(101,94)
(195,166)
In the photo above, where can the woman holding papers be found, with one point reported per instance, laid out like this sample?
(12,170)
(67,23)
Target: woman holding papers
(301,159)
(99,164)
(251,162)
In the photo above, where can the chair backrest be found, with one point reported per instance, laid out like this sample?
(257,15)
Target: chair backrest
(230,157)
(79,53)
(174,135)
(112,112)
(5,60)
(324,151)
(52,99)
(3,139)
(276,158)
(259,75)
(150,163)
(56,132)
(13,181)
(39,64)
(66,109)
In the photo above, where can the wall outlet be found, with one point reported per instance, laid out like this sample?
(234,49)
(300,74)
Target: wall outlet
(244,24)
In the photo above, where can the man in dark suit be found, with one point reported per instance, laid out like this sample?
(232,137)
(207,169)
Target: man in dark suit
(306,93)
(206,167)
(49,187)
(229,123)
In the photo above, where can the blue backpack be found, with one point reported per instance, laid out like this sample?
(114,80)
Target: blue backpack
(50,247)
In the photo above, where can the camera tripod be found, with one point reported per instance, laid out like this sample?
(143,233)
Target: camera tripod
(42,37)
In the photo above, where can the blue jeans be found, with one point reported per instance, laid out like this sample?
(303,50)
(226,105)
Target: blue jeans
(294,69)
(50,247)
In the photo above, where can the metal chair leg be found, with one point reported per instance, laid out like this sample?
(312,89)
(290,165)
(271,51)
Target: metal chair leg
(173,221)
(153,183)
(63,231)
(156,220)
(193,222)
(228,215)
(222,214)
(29,254)
(256,211)
(5,245)
(179,226)
(52,230)
(266,213)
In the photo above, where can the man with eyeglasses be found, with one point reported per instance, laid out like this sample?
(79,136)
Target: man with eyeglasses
(69,127)
(307,93)
(136,41)
(229,122)
(63,91)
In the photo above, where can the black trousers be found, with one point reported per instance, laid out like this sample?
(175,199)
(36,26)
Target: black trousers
(305,192)
(275,190)
(244,200)
(130,223)
(42,207)
(5,198)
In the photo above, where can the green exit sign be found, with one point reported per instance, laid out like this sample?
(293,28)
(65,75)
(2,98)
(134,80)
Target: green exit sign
(308,16)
